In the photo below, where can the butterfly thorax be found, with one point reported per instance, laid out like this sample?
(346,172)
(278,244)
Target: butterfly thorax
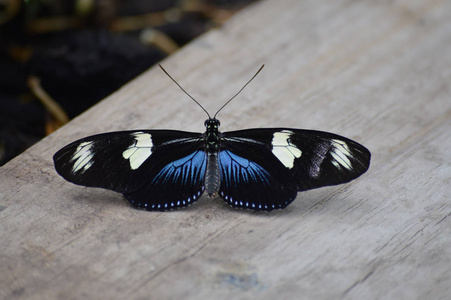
(212,135)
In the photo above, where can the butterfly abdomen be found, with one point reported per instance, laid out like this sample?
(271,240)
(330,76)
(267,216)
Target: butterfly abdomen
(212,175)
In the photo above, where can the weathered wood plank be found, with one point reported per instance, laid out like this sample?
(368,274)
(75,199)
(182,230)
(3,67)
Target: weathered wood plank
(375,71)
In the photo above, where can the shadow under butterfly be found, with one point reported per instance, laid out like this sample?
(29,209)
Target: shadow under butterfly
(259,169)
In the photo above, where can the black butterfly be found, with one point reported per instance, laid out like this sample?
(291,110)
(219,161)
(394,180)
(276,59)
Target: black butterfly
(258,169)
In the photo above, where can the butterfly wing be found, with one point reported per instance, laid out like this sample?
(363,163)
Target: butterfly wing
(154,169)
(263,169)
(247,182)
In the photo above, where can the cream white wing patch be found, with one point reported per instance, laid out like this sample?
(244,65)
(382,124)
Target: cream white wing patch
(282,148)
(82,157)
(341,154)
(140,150)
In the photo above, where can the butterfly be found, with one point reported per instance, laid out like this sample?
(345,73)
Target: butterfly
(258,169)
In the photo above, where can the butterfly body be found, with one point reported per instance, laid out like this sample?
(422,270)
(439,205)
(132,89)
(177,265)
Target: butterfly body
(212,141)
(257,169)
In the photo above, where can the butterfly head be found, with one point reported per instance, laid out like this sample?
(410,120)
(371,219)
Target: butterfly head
(212,124)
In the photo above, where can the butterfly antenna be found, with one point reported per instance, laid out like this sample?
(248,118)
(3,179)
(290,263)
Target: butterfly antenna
(186,92)
(214,117)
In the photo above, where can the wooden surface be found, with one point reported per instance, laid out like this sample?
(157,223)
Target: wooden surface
(378,72)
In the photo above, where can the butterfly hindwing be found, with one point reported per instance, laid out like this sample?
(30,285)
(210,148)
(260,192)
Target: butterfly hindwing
(179,183)
(246,183)
(268,166)
(154,169)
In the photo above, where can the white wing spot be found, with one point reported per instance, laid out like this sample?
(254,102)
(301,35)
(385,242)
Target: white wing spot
(140,150)
(341,154)
(83,157)
(283,149)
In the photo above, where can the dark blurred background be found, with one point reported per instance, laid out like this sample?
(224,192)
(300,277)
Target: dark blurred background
(58,58)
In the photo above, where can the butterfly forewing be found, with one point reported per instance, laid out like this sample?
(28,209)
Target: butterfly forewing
(154,169)
(326,159)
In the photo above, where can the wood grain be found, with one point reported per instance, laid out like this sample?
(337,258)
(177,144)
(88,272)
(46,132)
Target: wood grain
(374,71)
